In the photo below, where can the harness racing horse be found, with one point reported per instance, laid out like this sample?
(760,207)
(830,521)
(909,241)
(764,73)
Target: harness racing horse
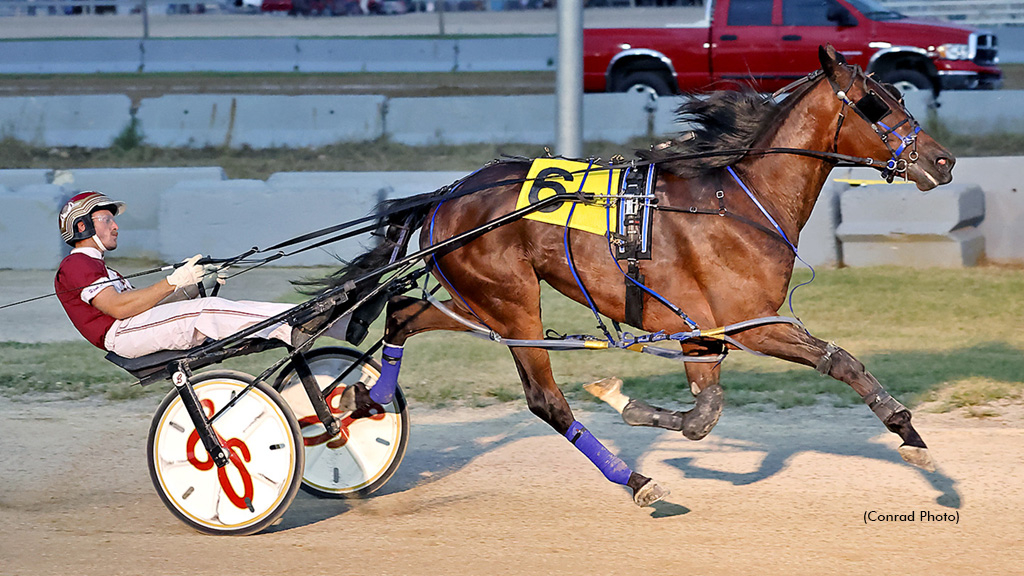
(767,161)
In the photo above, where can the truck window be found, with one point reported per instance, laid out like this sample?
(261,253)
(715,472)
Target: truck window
(806,12)
(750,13)
(875,11)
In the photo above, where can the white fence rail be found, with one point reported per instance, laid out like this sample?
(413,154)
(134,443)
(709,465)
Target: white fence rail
(972,12)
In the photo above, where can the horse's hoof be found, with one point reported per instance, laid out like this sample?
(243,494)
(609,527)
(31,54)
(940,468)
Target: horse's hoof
(698,422)
(610,391)
(640,413)
(354,398)
(649,493)
(917,456)
(347,402)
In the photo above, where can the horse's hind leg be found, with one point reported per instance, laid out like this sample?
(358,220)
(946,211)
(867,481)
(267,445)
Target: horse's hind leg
(794,344)
(405,316)
(695,423)
(547,402)
(409,316)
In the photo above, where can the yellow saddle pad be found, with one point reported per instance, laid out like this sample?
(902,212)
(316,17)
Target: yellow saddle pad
(549,176)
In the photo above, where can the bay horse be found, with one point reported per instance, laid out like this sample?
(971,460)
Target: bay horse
(768,161)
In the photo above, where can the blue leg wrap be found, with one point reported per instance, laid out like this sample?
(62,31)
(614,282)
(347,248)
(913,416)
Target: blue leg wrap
(613,468)
(383,391)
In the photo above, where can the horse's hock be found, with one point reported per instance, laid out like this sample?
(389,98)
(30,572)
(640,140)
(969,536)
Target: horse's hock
(898,225)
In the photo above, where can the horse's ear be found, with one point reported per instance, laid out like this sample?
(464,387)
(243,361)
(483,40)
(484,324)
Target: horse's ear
(829,58)
(827,64)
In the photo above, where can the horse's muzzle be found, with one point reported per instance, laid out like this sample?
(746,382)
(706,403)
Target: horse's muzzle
(932,170)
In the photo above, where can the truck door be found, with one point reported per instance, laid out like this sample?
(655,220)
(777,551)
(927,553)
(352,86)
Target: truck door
(745,41)
(807,24)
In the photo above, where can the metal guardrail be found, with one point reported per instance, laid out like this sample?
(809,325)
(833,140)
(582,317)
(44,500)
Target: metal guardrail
(973,12)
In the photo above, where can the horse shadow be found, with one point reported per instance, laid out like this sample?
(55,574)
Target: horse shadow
(780,449)
(850,432)
(436,451)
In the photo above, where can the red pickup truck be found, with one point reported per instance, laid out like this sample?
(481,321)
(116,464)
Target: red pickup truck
(769,43)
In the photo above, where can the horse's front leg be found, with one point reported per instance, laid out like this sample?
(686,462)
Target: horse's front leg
(796,345)
(695,423)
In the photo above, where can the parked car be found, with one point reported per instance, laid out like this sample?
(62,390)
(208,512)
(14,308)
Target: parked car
(769,43)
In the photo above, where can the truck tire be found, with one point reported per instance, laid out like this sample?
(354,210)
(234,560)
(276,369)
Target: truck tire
(644,81)
(907,80)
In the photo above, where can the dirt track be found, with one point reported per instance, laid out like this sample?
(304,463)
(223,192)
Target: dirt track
(493,491)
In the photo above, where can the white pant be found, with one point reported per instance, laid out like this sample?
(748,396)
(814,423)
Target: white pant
(187,324)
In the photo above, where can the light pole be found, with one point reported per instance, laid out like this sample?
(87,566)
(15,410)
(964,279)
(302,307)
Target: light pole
(569,79)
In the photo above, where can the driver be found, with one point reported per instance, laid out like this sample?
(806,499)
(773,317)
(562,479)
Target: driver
(115,316)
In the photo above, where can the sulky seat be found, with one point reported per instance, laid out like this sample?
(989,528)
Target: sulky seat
(160,365)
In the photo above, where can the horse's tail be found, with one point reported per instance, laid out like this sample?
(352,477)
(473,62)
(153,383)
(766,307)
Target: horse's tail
(398,219)
(396,216)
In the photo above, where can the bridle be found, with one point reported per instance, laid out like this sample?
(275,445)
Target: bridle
(872,108)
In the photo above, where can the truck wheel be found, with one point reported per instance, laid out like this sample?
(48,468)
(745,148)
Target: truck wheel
(646,82)
(908,80)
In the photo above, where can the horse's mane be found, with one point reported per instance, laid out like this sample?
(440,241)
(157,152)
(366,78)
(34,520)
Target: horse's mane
(725,120)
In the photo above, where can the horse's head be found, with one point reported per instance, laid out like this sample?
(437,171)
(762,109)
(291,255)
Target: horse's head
(878,126)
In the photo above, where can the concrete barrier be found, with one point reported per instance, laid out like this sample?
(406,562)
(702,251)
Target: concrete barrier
(259,121)
(524,53)
(29,230)
(187,120)
(226,218)
(69,56)
(279,54)
(17,178)
(140,189)
(818,245)
(898,225)
(969,112)
(385,185)
(262,121)
(616,117)
(92,121)
(193,210)
(366,189)
(527,119)
(1002,181)
(466,119)
(359,55)
(219,55)
(299,121)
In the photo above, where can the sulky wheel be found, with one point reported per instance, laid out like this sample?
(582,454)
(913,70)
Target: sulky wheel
(262,437)
(370,446)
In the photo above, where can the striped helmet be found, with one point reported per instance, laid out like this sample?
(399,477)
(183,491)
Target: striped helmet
(79,209)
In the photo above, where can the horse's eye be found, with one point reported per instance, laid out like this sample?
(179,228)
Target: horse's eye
(872,107)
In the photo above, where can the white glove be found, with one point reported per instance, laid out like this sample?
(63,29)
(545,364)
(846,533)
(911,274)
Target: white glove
(187,274)
(213,274)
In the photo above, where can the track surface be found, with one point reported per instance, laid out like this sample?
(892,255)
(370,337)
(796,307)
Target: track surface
(493,491)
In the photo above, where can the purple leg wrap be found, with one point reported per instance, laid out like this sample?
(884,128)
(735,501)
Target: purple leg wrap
(613,468)
(383,391)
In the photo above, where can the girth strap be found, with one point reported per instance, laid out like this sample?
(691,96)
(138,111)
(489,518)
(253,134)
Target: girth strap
(633,235)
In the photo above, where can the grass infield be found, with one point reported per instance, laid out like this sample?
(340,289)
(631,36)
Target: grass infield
(950,338)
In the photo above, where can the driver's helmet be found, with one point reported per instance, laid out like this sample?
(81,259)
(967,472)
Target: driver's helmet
(79,209)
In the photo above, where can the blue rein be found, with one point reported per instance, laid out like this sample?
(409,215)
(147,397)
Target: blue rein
(777,229)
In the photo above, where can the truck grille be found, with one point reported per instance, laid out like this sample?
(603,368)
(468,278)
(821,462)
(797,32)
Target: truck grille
(987,54)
